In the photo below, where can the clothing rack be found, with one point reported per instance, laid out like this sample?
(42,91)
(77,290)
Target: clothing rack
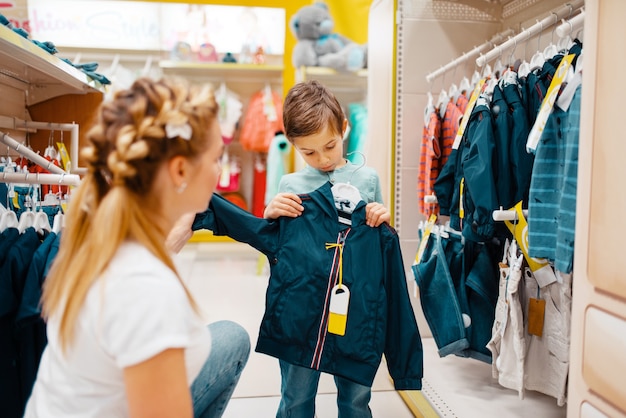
(470,54)
(58,176)
(507,215)
(566,28)
(564,12)
(8,122)
(40,178)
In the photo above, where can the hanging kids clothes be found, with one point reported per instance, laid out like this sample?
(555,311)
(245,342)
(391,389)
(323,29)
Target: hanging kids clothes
(508,341)
(558,141)
(294,328)
(458,288)
(520,162)
(449,128)
(430,152)
(14,270)
(263,119)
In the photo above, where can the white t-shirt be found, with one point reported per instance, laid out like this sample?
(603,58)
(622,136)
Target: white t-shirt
(135,311)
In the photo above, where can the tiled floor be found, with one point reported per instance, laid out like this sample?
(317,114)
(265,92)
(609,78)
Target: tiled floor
(229,282)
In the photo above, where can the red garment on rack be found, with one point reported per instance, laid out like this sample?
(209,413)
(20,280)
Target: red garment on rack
(47,188)
(449,128)
(428,170)
(264,117)
(461,102)
(260,183)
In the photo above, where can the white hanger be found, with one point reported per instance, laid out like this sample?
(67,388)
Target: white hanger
(8,219)
(454,92)
(475,78)
(498,68)
(346,196)
(551,49)
(41,222)
(487,71)
(464,86)
(58,222)
(27,220)
(566,42)
(430,108)
(442,102)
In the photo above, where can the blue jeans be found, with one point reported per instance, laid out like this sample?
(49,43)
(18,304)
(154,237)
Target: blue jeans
(299,387)
(214,385)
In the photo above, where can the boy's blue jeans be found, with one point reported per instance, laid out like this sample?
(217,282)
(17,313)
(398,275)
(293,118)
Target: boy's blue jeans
(299,387)
(214,385)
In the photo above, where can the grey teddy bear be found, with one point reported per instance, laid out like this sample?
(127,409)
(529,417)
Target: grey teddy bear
(317,44)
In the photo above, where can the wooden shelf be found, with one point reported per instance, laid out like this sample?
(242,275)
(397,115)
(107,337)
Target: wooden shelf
(42,75)
(348,86)
(228,72)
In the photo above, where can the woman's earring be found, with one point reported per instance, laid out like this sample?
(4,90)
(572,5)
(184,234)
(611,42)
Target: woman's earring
(181,188)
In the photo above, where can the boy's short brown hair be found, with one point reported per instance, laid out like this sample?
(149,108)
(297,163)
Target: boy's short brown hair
(309,107)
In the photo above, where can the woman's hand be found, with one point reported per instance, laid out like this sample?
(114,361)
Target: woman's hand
(284,204)
(376,214)
(180,233)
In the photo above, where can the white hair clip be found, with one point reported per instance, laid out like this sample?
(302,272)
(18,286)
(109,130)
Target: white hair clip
(181,130)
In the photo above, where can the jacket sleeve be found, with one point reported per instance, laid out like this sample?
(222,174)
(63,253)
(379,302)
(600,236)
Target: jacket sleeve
(444,185)
(225,218)
(480,184)
(403,344)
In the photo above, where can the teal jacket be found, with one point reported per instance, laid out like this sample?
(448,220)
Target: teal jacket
(304,269)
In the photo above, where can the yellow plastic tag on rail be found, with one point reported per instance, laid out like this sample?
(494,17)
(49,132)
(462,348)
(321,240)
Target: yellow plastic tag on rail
(424,241)
(541,268)
(65,156)
(548,103)
(468,112)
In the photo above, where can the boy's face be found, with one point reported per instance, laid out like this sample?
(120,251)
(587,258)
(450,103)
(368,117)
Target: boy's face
(322,150)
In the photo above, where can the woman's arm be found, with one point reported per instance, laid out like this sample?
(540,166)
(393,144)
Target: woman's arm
(158,386)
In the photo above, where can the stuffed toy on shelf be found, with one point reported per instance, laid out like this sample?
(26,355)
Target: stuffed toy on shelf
(319,46)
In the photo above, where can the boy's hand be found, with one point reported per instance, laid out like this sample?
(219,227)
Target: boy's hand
(284,204)
(376,214)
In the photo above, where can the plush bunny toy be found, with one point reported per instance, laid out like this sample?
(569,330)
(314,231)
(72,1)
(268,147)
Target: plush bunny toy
(317,44)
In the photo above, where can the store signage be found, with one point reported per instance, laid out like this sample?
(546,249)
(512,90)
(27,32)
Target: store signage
(154,26)
(16,12)
(96,24)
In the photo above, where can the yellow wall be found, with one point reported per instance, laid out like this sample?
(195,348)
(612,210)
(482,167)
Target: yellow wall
(351,18)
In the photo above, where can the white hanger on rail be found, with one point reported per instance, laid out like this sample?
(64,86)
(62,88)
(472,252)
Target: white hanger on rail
(8,219)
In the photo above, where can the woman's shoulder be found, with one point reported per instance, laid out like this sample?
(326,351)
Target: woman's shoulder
(133,261)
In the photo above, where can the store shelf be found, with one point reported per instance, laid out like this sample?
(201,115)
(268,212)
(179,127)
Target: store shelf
(228,72)
(42,75)
(348,86)
(332,78)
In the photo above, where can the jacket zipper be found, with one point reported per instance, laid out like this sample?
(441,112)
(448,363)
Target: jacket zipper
(332,280)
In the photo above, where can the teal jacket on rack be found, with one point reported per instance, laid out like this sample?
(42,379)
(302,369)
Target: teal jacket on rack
(306,262)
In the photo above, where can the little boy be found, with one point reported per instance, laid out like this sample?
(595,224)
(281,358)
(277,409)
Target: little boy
(315,125)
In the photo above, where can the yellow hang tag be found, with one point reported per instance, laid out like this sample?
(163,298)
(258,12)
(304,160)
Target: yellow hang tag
(65,156)
(461,191)
(548,103)
(338,312)
(542,271)
(424,241)
(468,112)
(536,312)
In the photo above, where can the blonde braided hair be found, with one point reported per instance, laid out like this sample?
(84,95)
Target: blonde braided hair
(127,146)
